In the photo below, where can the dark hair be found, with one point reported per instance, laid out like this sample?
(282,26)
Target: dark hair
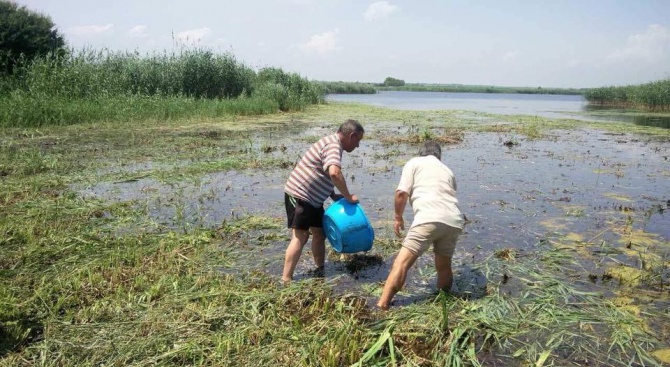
(431,147)
(351,126)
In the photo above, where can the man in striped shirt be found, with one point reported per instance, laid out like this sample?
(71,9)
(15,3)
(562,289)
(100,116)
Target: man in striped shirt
(310,183)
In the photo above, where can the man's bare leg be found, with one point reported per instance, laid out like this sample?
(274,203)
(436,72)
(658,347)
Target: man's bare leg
(318,247)
(444,273)
(397,277)
(293,251)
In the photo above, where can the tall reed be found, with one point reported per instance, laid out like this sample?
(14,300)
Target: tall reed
(89,85)
(654,96)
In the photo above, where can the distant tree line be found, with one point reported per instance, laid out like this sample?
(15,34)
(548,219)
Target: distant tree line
(346,87)
(464,88)
(393,82)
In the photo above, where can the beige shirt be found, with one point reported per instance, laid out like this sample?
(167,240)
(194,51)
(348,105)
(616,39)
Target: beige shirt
(432,191)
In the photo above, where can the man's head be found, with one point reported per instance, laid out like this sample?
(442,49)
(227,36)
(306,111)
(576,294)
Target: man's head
(431,147)
(351,133)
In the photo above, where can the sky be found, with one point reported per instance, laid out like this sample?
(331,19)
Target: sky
(532,43)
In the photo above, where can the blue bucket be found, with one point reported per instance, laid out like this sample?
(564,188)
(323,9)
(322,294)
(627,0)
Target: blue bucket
(347,227)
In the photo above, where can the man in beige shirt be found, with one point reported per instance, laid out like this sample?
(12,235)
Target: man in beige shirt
(431,188)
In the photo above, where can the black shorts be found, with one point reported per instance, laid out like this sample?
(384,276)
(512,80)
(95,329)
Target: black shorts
(301,214)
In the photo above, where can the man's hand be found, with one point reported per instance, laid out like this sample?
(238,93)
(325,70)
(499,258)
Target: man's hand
(352,199)
(398,225)
(399,202)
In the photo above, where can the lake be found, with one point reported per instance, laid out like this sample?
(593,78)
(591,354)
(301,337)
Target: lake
(544,105)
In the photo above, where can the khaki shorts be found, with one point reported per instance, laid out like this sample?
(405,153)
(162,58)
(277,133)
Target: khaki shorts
(443,238)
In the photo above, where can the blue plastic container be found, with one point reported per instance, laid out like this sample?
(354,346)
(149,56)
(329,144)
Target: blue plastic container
(347,227)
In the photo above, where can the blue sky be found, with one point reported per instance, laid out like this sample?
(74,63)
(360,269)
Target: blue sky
(559,43)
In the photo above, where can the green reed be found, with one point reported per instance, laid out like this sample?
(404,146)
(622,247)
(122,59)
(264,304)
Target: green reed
(93,85)
(654,96)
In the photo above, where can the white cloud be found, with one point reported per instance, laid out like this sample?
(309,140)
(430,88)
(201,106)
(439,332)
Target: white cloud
(192,36)
(322,43)
(573,63)
(87,30)
(138,31)
(651,46)
(510,57)
(379,10)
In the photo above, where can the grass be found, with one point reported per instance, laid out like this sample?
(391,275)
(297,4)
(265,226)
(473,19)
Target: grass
(85,282)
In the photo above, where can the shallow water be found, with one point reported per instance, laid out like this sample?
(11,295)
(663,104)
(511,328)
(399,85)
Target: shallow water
(582,185)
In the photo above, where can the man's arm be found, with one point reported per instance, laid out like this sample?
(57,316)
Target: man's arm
(337,178)
(400,201)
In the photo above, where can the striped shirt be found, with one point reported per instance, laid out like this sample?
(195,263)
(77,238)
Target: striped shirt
(309,180)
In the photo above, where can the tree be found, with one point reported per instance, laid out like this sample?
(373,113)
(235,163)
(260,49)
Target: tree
(393,82)
(24,35)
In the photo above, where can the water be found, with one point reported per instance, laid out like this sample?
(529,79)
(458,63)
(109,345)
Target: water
(544,105)
(583,186)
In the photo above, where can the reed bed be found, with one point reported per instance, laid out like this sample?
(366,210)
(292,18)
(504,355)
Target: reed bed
(654,96)
(88,86)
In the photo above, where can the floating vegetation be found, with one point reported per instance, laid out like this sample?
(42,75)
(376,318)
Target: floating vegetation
(626,275)
(415,136)
(505,254)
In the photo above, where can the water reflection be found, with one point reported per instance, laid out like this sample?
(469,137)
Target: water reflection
(603,113)
(663,122)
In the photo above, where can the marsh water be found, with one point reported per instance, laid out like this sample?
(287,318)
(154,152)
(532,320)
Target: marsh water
(545,105)
(578,187)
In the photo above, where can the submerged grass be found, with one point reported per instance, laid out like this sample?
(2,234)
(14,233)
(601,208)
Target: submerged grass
(77,291)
